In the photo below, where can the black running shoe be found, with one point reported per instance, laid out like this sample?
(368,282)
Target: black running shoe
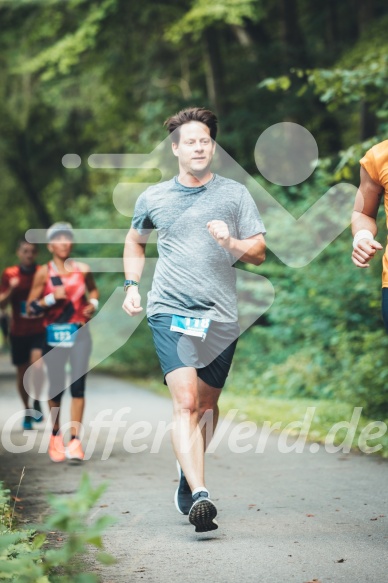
(183,499)
(203,512)
(38,418)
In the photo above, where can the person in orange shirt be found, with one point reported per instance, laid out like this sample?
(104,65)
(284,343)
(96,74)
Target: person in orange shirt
(26,334)
(373,185)
(68,297)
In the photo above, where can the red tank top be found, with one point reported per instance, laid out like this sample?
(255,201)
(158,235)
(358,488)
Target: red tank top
(71,309)
(21,326)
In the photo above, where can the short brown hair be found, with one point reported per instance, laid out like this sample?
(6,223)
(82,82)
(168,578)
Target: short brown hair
(20,242)
(200,114)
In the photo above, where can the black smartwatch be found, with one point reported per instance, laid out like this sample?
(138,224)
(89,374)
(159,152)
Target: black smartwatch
(129,283)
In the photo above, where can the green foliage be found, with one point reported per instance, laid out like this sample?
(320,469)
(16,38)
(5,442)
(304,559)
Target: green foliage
(349,159)
(22,556)
(5,510)
(63,55)
(206,13)
(323,336)
(361,374)
(357,78)
(360,74)
(282,83)
(351,369)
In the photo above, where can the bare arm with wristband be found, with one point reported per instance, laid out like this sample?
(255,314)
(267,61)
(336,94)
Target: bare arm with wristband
(364,215)
(134,259)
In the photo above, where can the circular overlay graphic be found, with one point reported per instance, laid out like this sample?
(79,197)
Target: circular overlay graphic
(71,161)
(286,154)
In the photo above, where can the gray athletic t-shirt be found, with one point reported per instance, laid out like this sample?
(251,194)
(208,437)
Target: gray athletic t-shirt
(194,274)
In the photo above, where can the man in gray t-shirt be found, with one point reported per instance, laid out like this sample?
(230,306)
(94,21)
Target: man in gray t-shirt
(204,222)
(193,275)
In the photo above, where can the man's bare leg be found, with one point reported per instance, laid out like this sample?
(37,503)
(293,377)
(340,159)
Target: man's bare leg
(186,436)
(189,445)
(208,411)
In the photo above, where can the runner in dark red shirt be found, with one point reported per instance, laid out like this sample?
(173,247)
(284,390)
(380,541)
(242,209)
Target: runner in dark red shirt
(26,333)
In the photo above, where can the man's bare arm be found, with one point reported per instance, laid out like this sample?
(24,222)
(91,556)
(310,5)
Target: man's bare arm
(250,250)
(134,259)
(364,216)
(5,296)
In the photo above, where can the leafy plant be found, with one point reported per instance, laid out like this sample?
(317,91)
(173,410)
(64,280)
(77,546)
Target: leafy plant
(23,558)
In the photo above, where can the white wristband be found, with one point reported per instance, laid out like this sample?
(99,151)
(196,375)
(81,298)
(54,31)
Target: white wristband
(363,234)
(94,302)
(50,300)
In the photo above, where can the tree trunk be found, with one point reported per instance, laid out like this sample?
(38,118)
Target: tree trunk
(214,71)
(366,9)
(332,32)
(291,36)
(19,165)
(368,122)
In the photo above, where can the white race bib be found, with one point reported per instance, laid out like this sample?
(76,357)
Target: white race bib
(190,326)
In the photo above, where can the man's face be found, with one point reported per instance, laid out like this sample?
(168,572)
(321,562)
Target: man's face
(61,246)
(195,149)
(27,254)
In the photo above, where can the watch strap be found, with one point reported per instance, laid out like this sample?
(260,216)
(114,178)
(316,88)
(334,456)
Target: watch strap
(130,283)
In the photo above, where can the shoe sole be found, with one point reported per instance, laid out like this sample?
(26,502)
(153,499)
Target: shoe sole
(75,460)
(202,515)
(56,461)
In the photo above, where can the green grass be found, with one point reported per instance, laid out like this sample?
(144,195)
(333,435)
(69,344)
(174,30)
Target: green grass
(325,414)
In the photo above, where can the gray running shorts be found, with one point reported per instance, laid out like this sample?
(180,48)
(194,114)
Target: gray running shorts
(211,358)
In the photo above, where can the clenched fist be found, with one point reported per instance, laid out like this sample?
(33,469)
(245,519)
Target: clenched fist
(220,232)
(132,301)
(364,251)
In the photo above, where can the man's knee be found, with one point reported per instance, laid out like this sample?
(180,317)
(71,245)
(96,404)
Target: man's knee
(186,399)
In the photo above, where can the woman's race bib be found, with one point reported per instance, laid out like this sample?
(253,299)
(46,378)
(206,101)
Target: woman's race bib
(62,335)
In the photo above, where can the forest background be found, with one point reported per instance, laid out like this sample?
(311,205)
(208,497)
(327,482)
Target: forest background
(83,77)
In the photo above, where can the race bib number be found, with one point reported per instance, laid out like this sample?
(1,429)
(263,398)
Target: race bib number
(190,326)
(63,335)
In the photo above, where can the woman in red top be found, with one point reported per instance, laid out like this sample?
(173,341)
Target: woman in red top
(69,297)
